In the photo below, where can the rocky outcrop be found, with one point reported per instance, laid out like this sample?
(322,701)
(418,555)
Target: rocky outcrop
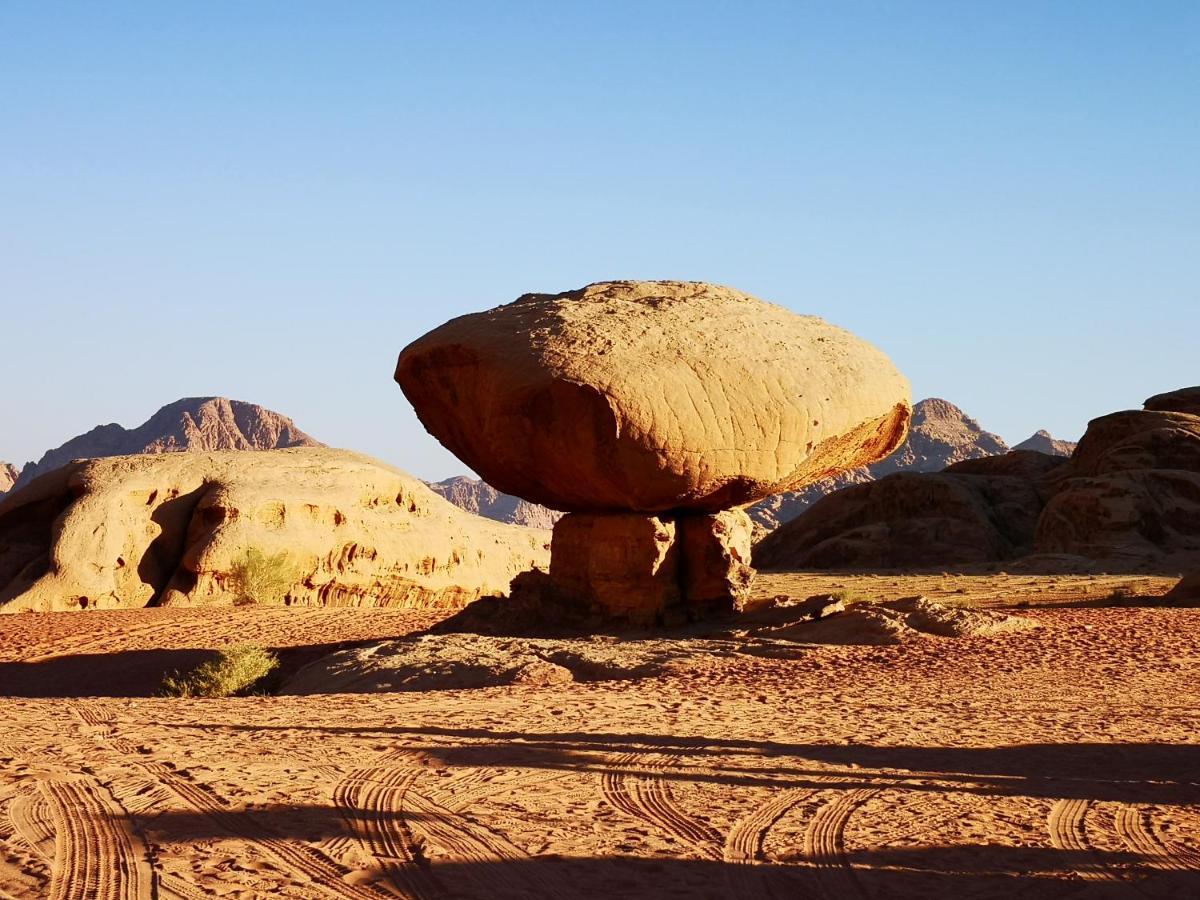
(1044,442)
(481,498)
(652,397)
(1184,400)
(939,435)
(8,476)
(194,423)
(1128,499)
(1186,592)
(644,410)
(914,520)
(1131,493)
(171,528)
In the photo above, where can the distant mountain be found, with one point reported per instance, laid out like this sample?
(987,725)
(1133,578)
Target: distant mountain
(940,434)
(194,423)
(8,476)
(482,499)
(1043,442)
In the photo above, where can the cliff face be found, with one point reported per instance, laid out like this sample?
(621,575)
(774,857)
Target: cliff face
(191,424)
(481,498)
(940,434)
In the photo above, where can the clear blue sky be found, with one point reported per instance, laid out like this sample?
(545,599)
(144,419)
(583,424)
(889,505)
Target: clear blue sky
(268,200)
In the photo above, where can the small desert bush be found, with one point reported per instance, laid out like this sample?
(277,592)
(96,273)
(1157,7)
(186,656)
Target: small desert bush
(235,671)
(258,577)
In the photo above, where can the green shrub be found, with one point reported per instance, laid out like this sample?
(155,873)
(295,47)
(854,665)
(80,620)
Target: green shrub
(235,671)
(257,577)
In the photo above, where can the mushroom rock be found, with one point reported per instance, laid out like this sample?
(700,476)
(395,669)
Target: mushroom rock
(663,399)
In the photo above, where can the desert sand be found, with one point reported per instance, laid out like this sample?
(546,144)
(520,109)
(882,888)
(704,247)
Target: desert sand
(1055,762)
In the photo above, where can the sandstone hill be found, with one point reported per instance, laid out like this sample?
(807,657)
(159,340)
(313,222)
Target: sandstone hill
(940,434)
(194,423)
(168,529)
(1127,499)
(8,476)
(481,498)
(1044,442)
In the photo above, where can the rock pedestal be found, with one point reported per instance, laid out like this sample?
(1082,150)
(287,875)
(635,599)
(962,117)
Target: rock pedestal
(646,570)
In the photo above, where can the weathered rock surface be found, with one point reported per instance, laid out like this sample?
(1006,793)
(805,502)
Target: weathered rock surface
(939,435)
(901,620)
(8,476)
(1184,400)
(169,528)
(194,423)
(715,569)
(481,498)
(626,566)
(1044,442)
(652,397)
(1131,493)
(1128,499)
(910,520)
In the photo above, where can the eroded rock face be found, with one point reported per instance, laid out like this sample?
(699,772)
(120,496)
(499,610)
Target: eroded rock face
(911,520)
(165,529)
(715,561)
(481,498)
(652,397)
(1184,400)
(625,566)
(8,476)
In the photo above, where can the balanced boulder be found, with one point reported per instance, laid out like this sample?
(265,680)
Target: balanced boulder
(635,396)
(644,409)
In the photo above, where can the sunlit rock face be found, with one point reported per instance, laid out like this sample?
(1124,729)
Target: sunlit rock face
(661,400)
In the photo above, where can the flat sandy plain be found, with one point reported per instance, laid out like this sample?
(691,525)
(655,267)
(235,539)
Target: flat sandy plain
(1057,762)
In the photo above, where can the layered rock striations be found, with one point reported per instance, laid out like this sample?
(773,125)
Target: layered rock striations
(643,409)
(194,423)
(171,528)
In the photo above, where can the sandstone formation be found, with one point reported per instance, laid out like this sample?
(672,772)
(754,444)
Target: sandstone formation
(481,498)
(1128,499)
(8,476)
(644,410)
(939,435)
(169,529)
(915,520)
(652,397)
(1044,442)
(1184,400)
(194,423)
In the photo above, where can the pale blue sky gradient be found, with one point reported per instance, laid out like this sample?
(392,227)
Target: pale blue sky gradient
(268,200)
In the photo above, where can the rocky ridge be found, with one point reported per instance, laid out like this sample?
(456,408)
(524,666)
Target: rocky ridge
(1044,442)
(172,528)
(190,424)
(481,498)
(8,476)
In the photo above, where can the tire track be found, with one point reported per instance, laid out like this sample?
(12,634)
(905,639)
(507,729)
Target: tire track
(29,815)
(325,874)
(744,852)
(825,844)
(94,854)
(371,802)
(1067,824)
(1136,830)
(648,798)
